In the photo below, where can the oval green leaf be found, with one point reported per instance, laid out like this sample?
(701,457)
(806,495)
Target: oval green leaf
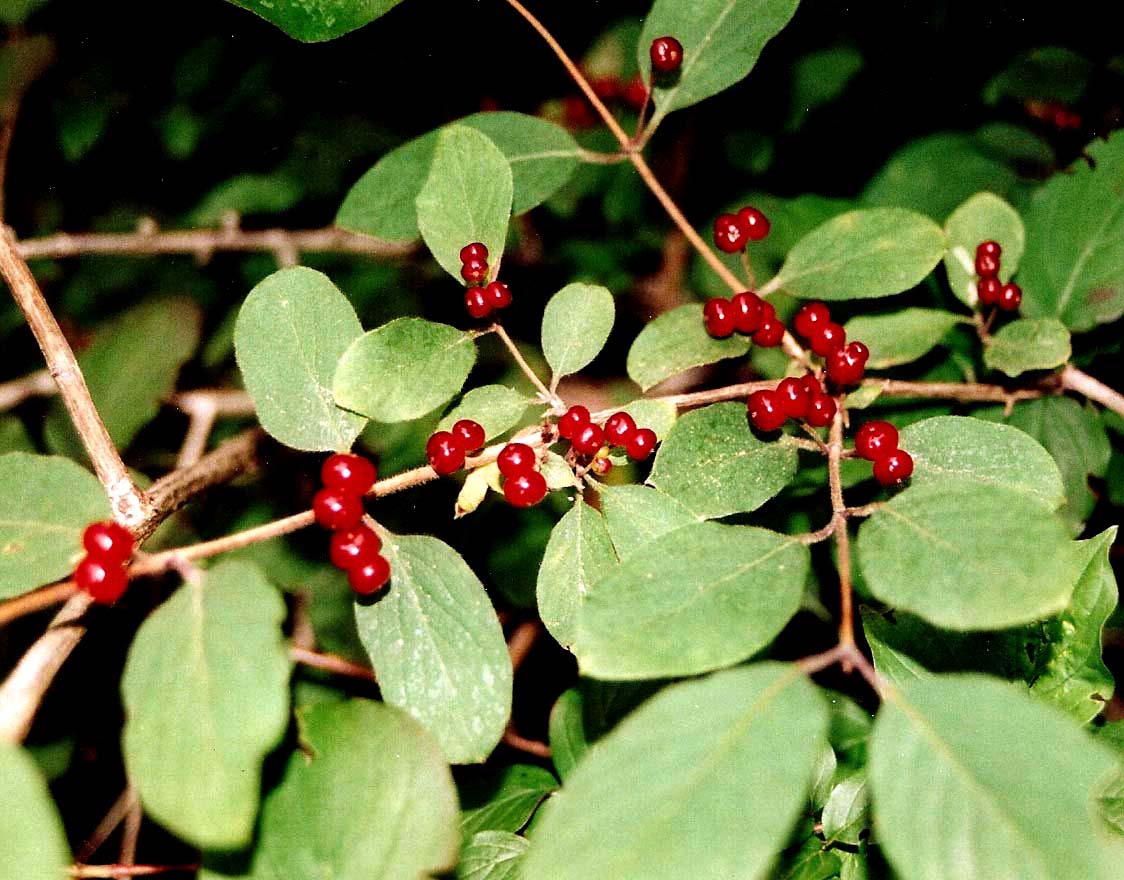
(1028,344)
(319,20)
(575,326)
(902,337)
(492,855)
(505,802)
(496,408)
(31,834)
(676,341)
(983,217)
(637,515)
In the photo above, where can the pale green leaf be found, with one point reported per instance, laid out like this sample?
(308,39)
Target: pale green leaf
(575,327)
(507,802)
(983,217)
(557,472)
(676,341)
(1110,800)
(813,861)
(568,738)
(637,515)
(659,415)
(314,21)
(31,834)
(492,855)
(902,337)
(496,408)
(1028,344)
(847,811)
(1044,73)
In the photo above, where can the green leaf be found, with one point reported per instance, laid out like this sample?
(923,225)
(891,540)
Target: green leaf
(578,555)
(45,504)
(418,636)
(314,21)
(714,465)
(902,337)
(200,718)
(14,436)
(575,327)
(31,834)
(568,738)
(507,802)
(466,198)
(1074,676)
(973,780)
(1028,344)
(404,369)
(862,254)
(246,194)
(291,332)
(724,591)
(1074,266)
(1110,800)
(667,794)
(542,157)
(722,40)
(983,217)
(381,793)
(496,408)
(983,452)
(967,556)
(1013,143)
(637,515)
(813,861)
(492,855)
(15,12)
(818,78)
(676,341)
(1049,73)
(847,811)
(659,415)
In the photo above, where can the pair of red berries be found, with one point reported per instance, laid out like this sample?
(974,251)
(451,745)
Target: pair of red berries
(803,399)
(732,232)
(992,291)
(523,485)
(102,573)
(620,429)
(878,442)
(746,313)
(480,301)
(666,54)
(354,547)
(446,450)
(845,362)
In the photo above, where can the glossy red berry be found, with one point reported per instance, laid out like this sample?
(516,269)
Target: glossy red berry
(765,410)
(811,384)
(445,452)
(747,311)
(794,398)
(635,93)
(642,444)
(666,54)
(826,338)
(370,577)
(810,318)
(821,410)
(109,542)
(476,302)
(846,366)
(756,224)
(620,428)
(497,295)
(718,315)
(515,459)
(875,440)
(730,234)
(572,421)
(350,473)
(893,468)
(988,290)
(474,271)
(352,547)
(525,490)
(470,433)
(770,333)
(335,509)
(475,251)
(989,248)
(1010,297)
(987,265)
(589,439)
(104,581)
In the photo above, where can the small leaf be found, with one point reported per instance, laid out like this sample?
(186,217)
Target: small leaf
(739,743)
(45,504)
(416,636)
(686,583)
(1028,344)
(31,834)
(865,395)
(676,341)
(507,802)
(862,254)
(472,493)
(902,337)
(659,415)
(1110,800)
(404,369)
(466,198)
(246,194)
(637,515)
(492,855)
(318,21)
(984,217)
(847,812)
(557,473)
(189,660)
(714,465)
(291,332)
(575,326)
(496,408)
(568,738)
(813,861)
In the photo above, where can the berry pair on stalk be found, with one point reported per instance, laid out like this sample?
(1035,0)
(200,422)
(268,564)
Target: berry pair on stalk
(354,547)
(844,362)
(746,313)
(481,299)
(102,574)
(523,485)
(620,429)
(447,450)
(802,399)
(732,232)
(991,290)
(878,442)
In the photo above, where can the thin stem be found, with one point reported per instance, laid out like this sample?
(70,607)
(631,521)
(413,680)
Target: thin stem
(16,391)
(331,663)
(547,393)
(1074,379)
(842,538)
(38,600)
(521,641)
(530,746)
(115,871)
(964,392)
(116,815)
(820,534)
(747,267)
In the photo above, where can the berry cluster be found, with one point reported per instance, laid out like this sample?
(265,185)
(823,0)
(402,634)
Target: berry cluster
(523,485)
(102,572)
(746,313)
(803,399)
(446,450)
(878,442)
(354,547)
(992,291)
(732,232)
(845,362)
(666,54)
(481,299)
(620,429)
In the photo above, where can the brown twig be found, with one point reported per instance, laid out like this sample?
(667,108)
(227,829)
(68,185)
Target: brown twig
(331,663)
(114,817)
(1074,379)
(523,744)
(521,641)
(114,871)
(16,391)
(549,395)
(842,538)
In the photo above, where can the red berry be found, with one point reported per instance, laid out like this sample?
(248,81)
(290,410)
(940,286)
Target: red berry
(730,234)
(826,338)
(756,223)
(875,440)
(470,433)
(666,54)
(811,384)
(497,295)
(601,466)
(768,310)
(605,87)
(525,490)
(747,311)
(821,410)
(578,112)
(765,410)
(990,248)
(770,333)
(350,473)
(474,251)
(1010,297)
(589,439)
(445,452)
(620,428)
(794,398)
(719,317)
(103,580)
(335,509)
(109,542)
(811,316)
(515,459)
(370,577)
(572,421)
(474,271)
(642,444)
(635,93)
(987,265)
(893,468)
(353,547)
(988,289)
(845,366)
(476,302)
